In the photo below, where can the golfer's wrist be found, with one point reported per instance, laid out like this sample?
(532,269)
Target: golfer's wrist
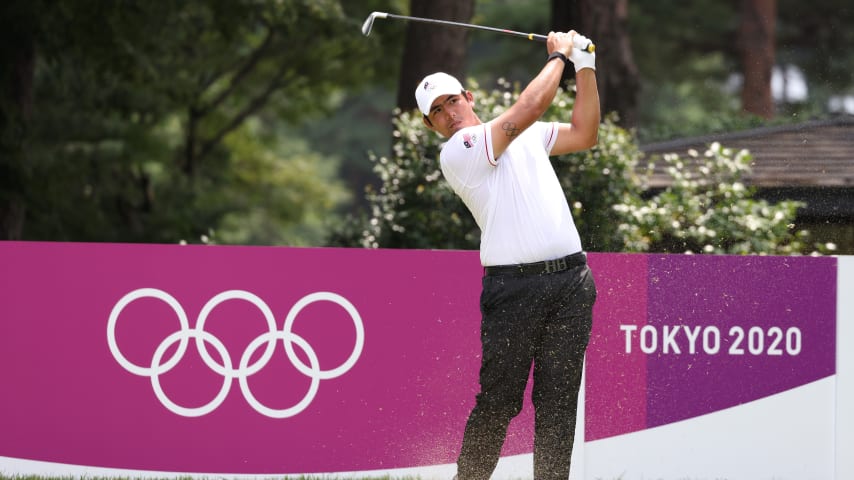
(558,55)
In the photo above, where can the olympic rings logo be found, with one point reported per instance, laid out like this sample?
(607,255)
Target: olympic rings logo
(159,367)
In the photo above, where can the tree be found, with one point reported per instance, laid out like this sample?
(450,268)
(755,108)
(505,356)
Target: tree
(142,126)
(756,45)
(17,64)
(807,33)
(689,56)
(686,58)
(606,22)
(430,48)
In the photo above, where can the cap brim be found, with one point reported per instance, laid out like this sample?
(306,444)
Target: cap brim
(436,94)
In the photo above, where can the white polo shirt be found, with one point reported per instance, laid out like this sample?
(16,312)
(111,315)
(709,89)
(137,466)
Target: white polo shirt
(516,199)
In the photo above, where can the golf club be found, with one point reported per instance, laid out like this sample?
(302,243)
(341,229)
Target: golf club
(369,24)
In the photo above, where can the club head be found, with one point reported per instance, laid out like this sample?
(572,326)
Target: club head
(369,22)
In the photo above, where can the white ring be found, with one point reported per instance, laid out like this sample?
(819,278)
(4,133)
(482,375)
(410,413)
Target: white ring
(243,380)
(173,407)
(268,316)
(114,317)
(357,322)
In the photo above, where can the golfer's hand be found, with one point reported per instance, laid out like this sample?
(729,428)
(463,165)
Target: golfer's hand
(579,57)
(560,42)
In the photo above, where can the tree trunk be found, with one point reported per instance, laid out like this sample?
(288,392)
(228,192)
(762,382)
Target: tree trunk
(605,22)
(432,48)
(17,67)
(565,16)
(756,42)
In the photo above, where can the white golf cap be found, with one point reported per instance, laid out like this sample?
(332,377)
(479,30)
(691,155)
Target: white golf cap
(434,86)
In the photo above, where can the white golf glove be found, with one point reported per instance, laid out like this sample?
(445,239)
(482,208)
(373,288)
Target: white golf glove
(580,58)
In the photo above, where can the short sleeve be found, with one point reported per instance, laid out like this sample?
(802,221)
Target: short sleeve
(549,134)
(467,157)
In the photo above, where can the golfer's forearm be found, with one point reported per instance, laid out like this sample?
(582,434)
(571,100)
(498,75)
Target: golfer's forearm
(539,94)
(586,112)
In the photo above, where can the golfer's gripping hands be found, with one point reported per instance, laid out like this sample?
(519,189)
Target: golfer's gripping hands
(571,45)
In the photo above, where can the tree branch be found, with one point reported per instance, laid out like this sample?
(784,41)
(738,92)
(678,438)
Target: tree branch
(238,77)
(252,107)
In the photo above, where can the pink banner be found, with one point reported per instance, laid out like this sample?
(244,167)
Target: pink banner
(237,359)
(265,360)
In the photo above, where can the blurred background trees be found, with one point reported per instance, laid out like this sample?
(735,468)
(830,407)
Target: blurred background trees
(256,122)
(162,121)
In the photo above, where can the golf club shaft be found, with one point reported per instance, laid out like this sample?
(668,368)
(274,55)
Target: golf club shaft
(590,48)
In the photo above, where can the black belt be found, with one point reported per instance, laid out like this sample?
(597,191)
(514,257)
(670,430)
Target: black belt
(539,268)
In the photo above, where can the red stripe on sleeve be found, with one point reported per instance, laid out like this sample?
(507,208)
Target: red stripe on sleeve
(551,135)
(489,158)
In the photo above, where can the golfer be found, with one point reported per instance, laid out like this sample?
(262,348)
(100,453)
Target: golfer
(538,292)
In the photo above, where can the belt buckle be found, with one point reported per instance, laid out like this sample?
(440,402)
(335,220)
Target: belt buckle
(557,265)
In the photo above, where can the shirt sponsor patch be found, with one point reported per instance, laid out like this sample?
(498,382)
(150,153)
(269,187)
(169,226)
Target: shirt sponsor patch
(469,140)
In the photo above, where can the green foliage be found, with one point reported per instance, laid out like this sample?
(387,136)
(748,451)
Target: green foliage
(687,55)
(708,209)
(491,54)
(414,207)
(169,121)
(817,37)
(164,121)
(281,192)
(594,180)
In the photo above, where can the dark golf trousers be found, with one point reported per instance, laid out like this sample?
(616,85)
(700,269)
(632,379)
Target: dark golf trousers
(540,319)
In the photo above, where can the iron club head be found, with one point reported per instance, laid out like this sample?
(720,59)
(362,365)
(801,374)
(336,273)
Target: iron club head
(369,22)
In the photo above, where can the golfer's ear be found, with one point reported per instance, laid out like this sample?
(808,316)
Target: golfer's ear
(427,122)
